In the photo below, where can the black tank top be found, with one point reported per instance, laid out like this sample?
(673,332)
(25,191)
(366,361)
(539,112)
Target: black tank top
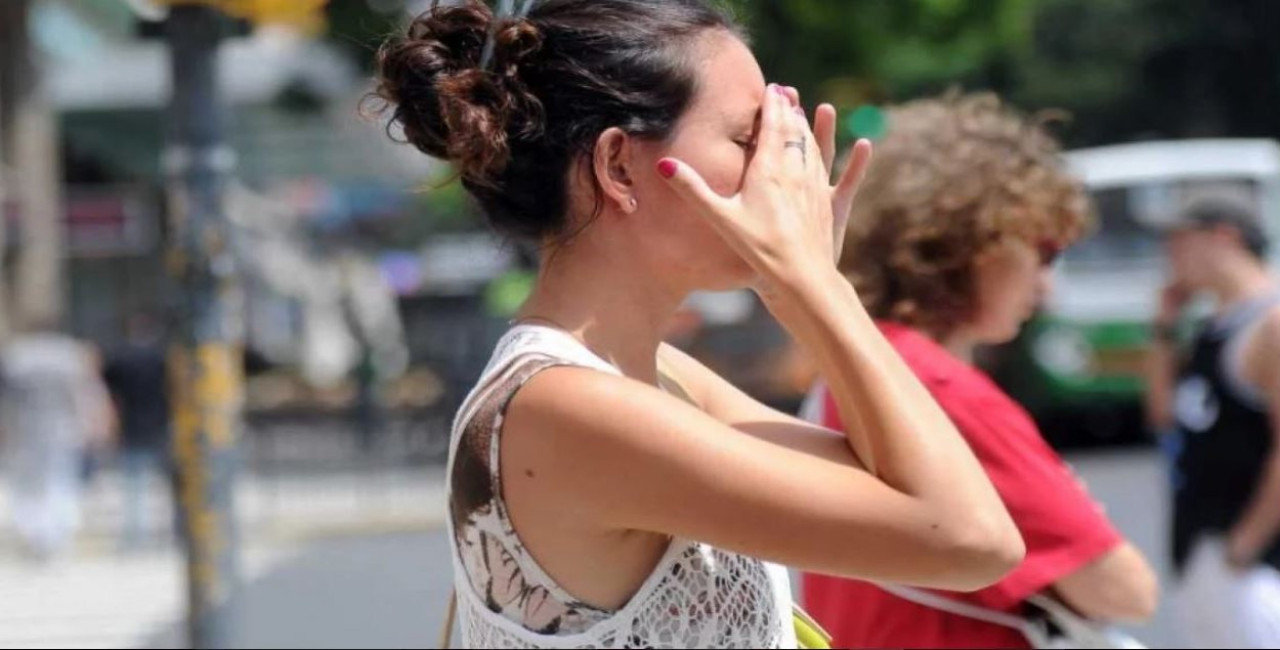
(1225,437)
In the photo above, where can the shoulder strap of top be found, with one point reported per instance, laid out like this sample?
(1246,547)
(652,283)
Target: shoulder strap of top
(547,341)
(1245,314)
(519,345)
(475,456)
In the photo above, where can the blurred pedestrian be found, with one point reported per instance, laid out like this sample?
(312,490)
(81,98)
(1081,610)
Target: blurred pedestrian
(607,490)
(1219,401)
(136,375)
(951,247)
(54,410)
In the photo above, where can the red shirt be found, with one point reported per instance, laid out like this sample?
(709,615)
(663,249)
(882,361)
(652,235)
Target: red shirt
(1064,529)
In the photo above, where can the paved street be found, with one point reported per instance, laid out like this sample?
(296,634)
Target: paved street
(1132,487)
(272,505)
(375,587)
(379,591)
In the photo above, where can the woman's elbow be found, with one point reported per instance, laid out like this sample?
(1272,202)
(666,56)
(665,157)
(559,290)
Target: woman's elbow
(1119,587)
(1133,600)
(984,552)
(1144,603)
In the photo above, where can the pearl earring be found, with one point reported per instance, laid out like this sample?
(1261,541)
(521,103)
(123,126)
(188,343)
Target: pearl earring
(632,205)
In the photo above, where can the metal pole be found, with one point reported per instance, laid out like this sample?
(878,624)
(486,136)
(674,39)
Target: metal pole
(12,21)
(30,175)
(38,288)
(205,362)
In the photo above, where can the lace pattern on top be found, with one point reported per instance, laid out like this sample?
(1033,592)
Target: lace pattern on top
(696,596)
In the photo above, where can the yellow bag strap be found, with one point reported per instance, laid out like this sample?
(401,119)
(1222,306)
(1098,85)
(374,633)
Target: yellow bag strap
(808,633)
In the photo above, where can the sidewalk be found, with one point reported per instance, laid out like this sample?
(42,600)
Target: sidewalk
(286,506)
(103,601)
(99,597)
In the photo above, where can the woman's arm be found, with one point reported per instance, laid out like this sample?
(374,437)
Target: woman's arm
(627,457)
(615,455)
(1119,586)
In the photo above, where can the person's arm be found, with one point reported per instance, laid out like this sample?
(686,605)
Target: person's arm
(1108,579)
(1120,586)
(1162,359)
(1161,373)
(622,456)
(626,456)
(93,403)
(1259,526)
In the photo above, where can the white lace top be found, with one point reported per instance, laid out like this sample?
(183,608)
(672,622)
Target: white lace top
(696,597)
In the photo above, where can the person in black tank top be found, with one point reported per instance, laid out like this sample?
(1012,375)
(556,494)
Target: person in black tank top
(1216,401)
(1225,435)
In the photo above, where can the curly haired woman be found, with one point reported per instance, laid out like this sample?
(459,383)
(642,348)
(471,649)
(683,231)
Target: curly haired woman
(950,247)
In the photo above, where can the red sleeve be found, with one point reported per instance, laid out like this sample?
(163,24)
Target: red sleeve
(1063,527)
(1061,524)
(830,413)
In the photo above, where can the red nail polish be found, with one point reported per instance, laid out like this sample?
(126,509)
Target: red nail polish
(667,168)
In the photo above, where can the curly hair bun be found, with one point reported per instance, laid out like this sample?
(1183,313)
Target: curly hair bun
(555,79)
(446,103)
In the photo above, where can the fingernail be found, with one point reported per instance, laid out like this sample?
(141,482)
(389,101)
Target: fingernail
(793,89)
(777,89)
(666,168)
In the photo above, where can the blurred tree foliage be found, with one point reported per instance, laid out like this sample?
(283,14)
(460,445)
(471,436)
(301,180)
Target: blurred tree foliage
(1126,69)
(1156,68)
(856,51)
(359,26)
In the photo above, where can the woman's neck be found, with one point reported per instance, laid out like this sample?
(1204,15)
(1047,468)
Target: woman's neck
(618,311)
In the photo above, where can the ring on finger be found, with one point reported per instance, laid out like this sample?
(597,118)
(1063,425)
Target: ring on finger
(800,145)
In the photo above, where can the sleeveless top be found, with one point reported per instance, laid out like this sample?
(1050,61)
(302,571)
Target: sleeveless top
(696,595)
(1223,433)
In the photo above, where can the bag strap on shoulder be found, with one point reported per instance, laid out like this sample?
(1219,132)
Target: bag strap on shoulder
(934,601)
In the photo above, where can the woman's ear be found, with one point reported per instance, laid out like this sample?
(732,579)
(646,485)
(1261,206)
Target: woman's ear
(612,166)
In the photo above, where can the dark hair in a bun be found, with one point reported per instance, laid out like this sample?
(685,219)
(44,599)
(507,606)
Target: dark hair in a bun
(556,79)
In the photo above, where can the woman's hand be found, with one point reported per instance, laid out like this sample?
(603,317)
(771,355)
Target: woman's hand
(788,220)
(824,130)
